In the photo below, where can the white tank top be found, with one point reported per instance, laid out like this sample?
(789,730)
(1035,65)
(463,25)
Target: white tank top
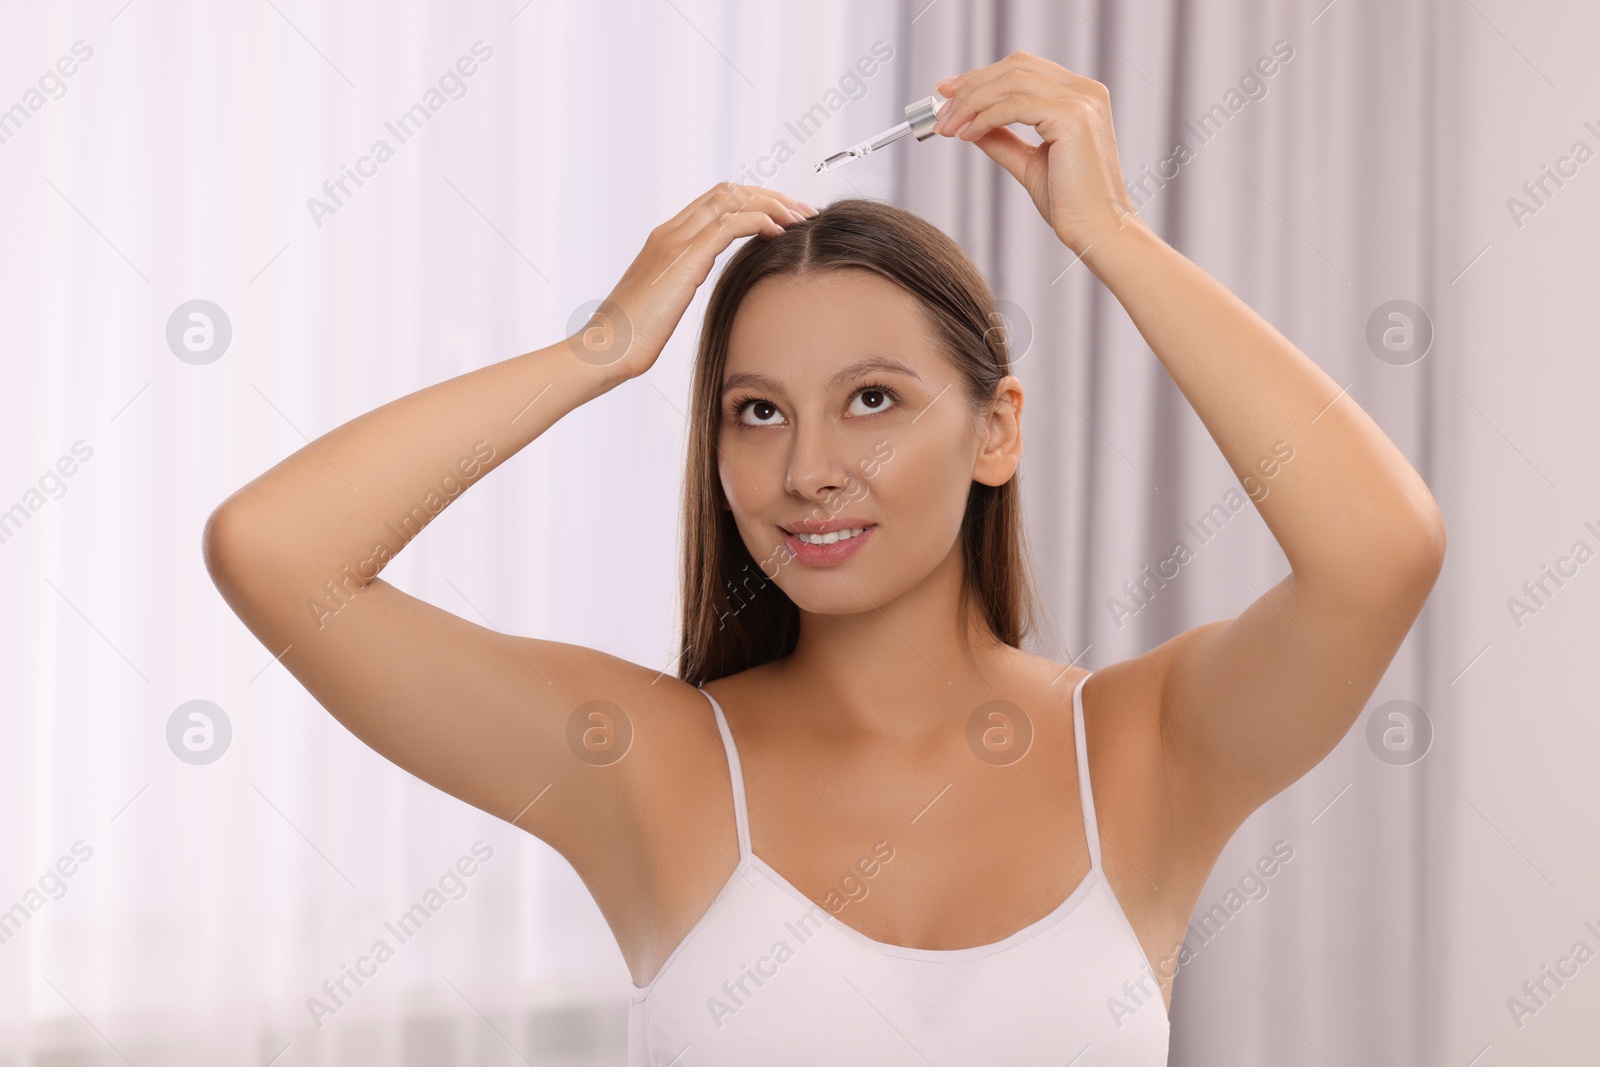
(768,977)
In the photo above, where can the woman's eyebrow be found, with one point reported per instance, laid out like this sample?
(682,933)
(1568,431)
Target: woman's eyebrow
(871,363)
(752,380)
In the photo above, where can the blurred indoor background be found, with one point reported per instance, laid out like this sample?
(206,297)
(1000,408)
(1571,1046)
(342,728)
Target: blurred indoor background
(1411,195)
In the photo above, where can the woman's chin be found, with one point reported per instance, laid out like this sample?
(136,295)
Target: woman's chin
(835,593)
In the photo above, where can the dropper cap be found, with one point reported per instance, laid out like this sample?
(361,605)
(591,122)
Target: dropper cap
(923,115)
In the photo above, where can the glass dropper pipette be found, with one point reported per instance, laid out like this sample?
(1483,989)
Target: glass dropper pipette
(921,117)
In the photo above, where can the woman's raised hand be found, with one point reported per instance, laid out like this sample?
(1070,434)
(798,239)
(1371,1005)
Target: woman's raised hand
(631,326)
(1073,175)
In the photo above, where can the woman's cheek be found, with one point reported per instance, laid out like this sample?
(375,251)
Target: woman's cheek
(937,485)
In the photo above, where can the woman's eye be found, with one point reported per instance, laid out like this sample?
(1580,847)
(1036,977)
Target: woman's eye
(758,413)
(869,401)
(874,400)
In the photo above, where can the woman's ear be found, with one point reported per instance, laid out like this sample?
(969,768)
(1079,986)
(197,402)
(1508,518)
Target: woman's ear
(1000,451)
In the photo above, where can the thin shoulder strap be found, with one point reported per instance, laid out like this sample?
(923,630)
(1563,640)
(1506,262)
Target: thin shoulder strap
(1091,825)
(736,776)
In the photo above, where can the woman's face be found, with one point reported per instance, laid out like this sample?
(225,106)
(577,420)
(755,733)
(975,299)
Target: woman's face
(840,409)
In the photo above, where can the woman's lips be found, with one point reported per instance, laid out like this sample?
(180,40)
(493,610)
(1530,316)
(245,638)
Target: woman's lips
(826,555)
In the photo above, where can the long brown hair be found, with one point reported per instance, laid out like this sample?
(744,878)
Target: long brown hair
(734,616)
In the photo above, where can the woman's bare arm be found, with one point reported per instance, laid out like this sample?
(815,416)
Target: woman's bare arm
(296,553)
(1251,704)
(481,715)
(1247,705)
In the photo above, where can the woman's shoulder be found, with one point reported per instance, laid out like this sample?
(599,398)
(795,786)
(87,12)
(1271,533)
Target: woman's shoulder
(1126,692)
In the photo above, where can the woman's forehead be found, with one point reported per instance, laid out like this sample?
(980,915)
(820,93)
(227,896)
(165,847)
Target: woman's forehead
(820,323)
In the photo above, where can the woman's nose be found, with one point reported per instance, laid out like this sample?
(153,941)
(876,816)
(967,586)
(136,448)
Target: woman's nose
(816,465)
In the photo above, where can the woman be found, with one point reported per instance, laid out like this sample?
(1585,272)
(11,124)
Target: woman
(854,708)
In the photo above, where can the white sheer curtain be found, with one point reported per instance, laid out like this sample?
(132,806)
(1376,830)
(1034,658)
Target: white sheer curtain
(177,165)
(166,910)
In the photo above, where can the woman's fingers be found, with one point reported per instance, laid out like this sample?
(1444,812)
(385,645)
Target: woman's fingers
(747,196)
(800,207)
(1018,75)
(732,225)
(782,209)
(776,209)
(971,100)
(727,197)
(1016,61)
(708,212)
(1040,112)
(1009,150)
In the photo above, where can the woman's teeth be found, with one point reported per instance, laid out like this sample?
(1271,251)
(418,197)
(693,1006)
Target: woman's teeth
(829,538)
